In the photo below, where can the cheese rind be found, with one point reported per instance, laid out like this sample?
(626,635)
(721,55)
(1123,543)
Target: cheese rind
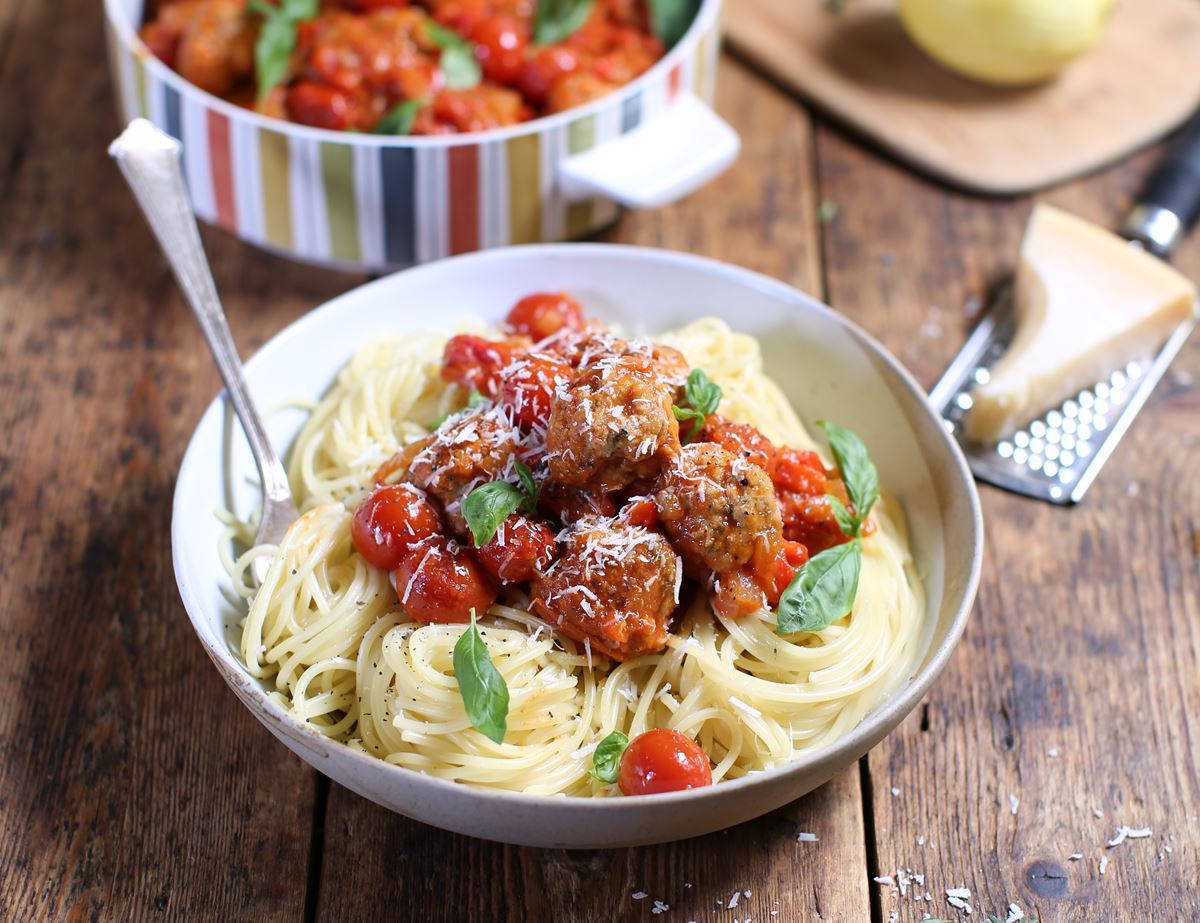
(1086,303)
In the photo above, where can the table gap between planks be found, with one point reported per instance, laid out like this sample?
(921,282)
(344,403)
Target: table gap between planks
(132,785)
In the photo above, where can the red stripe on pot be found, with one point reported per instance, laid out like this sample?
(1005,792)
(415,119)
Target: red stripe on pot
(221,158)
(464,198)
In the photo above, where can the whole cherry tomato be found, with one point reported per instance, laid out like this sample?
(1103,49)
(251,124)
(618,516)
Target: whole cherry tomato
(500,48)
(393,519)
(440,581)
(544,314)
(520,550)
(475,363)
(662,760)
(741,439)
(544,68)
(528,385)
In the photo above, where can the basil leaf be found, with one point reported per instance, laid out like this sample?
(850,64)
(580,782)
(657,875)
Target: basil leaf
(670,19)
(531,487)
(558,20)
(606,758)
(823,591)
(483,690)
(277,39)
(457,60)
(299,9)
(683,415)
(400,121)
(488,506)
(856,467)
(701,392)
(846,520)
(477,398)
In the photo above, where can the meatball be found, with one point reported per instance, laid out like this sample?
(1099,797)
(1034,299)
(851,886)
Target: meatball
(719,510)
(464,453)
(581,348)
(611,425)
(613,587)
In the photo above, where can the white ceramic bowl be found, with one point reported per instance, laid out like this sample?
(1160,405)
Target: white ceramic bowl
(363,201)
(826,365)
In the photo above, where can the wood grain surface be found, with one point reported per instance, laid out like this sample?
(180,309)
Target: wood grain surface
(133,786)
(855,61)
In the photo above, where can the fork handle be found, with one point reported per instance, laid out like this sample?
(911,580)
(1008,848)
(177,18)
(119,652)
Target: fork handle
(150,160)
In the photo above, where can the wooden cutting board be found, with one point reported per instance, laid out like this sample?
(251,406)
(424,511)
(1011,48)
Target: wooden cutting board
(1139,82)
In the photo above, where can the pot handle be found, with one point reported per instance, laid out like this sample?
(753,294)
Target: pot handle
(674,153)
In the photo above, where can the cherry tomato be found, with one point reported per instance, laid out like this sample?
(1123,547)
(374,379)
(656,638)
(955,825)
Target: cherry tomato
(641,511)
(323,106)
(662,760)
(440,581)
(742,440)
(365,5)
(520,550)
(500,48)
(474,362)
(528,386)
(810,521)
(544,314)
(800,472)
(738,594)
(544,69)
(390,522)
(788,560)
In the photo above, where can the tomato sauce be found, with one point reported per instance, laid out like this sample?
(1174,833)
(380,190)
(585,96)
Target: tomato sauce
(462,65)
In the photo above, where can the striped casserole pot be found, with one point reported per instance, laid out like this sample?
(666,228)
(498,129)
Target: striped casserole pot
(369,202)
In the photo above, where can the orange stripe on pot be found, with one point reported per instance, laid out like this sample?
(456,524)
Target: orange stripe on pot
(524,189)
(673,80)
(341,211)
(221,159)
(464,198)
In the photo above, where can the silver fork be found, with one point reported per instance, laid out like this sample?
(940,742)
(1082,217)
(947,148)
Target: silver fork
(150,160)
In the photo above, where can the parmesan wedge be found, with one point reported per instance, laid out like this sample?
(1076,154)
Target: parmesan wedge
(1086,303)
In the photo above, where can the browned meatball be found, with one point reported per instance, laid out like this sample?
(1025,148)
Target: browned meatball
(466,452)
(611,425)
(719,510)
(582,347)
(613,587)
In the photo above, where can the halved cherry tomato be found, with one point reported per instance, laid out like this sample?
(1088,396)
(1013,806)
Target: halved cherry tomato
(800,472)
(544,314)
(662,760)
(528,386)
(520,550)
(741,439)
(641,511)
(440,581)
(788,560)
(474,362)
(500,48)
(393,519)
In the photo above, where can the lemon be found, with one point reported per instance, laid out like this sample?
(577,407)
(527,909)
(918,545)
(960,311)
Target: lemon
(1006,42)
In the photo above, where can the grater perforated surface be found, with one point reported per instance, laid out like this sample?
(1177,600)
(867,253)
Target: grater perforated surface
(1057,456)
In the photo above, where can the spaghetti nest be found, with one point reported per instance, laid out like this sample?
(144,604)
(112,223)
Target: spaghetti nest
(327,631)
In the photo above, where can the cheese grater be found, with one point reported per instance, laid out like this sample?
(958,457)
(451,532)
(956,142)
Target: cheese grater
(1058,456)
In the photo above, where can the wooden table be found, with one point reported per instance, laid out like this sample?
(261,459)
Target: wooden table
(133,786)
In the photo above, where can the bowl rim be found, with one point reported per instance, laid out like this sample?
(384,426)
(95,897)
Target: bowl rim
(128,35)
(876,724)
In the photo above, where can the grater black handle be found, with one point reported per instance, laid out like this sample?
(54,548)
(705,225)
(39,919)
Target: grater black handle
(1169,205)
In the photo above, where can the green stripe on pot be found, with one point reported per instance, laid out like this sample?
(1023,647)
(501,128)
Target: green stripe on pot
(581,136)
(524,189)
(341,211)
(274,169)
(139,79)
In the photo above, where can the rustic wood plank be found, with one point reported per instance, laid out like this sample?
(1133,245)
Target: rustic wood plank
(1076,685)
(762,215)
(132,784)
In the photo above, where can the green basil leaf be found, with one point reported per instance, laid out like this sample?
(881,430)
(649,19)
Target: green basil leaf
(823,591)
(557,20)
(683,415)
(273,52)
(488,506)
(477,398)
(856,467)
(846,520)
(484,692)
(606,758)
(670,19)
(531,487)
(457,61)
(297,10)
(400,120)
(702,393)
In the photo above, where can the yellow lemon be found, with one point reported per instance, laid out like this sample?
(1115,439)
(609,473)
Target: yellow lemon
(1006,42)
